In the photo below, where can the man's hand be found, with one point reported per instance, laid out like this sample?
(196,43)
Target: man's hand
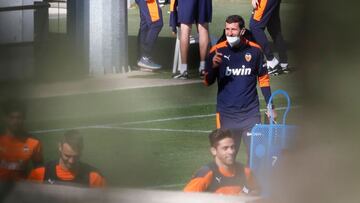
(217,59)
(255,3)
(273,114)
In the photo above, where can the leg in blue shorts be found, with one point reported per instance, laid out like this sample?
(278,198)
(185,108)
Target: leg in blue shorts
(190,12)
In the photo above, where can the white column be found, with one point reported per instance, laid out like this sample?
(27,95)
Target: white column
(107,36)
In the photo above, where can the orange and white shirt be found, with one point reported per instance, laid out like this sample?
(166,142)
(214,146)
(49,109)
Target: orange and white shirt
(211,178)
(15,155)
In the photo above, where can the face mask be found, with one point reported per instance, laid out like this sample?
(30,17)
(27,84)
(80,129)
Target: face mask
(233,41)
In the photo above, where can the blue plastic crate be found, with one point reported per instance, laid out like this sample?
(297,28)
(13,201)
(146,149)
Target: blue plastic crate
(268,141)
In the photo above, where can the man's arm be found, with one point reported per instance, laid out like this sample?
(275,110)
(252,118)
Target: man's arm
(96,180)
(36,151)
(266,91)
(37,175)
(211,71)
(37,157)
(251,182)
(264,83)
(255,3)
(173,21)
(213,61)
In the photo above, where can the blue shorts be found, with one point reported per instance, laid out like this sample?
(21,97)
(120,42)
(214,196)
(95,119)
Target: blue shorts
(194,11)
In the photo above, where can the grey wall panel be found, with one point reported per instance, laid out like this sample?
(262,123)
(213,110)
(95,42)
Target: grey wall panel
(16,29)
(11,27)
(16,26)
(27,26)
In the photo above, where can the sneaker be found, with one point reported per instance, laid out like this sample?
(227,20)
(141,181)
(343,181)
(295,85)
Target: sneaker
(272,63)
(192,39)
(274,71)
(273,67)
(202,74)
(182,76)
(285,68)
(147,63)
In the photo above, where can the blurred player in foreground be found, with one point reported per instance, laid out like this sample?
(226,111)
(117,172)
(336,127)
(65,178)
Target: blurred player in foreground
(17,147)
(68,170)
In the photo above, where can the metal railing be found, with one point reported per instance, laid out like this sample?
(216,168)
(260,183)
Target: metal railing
(37,5)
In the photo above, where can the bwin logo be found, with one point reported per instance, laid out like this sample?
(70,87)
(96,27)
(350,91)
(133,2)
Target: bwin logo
(238,71)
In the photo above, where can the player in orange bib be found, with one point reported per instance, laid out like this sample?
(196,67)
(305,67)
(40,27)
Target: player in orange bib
(68,169)
(224,175)
(17,147)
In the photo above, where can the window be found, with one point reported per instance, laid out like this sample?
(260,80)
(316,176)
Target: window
(57,16)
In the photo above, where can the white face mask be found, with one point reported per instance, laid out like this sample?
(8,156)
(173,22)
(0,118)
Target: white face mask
(233,41)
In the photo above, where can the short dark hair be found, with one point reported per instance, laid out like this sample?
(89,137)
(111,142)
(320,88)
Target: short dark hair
(74,139)
(236,19)
(13,105)
(217,135)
